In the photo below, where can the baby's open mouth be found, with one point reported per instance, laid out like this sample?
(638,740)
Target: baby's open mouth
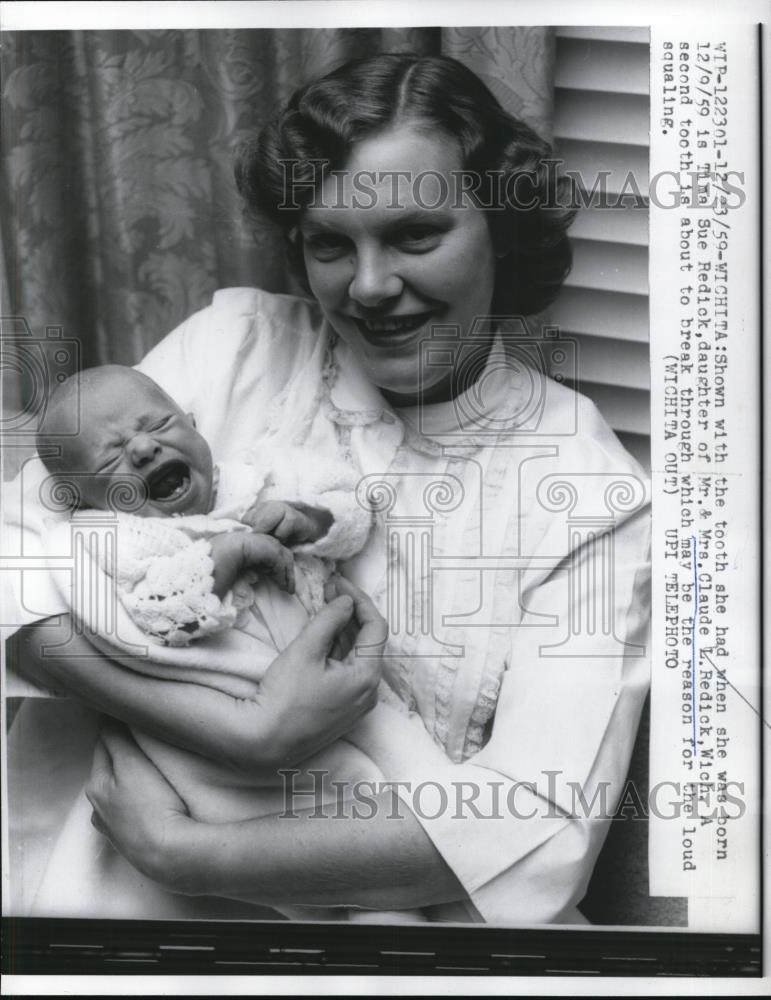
(169,481)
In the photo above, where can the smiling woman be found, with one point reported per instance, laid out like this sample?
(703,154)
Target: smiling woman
(503,610)
(382,275)
(436,155)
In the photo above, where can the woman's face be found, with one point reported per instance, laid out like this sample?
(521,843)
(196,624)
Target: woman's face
(386,266)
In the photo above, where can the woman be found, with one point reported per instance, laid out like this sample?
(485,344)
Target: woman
(510,555)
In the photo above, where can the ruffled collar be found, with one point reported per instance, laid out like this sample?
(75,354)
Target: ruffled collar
(355,402)
(491,405)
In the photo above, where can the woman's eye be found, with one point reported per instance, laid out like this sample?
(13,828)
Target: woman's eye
(326,247)
(419,238)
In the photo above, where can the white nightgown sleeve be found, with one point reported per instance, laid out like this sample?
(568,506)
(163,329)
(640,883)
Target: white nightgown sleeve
(510,821)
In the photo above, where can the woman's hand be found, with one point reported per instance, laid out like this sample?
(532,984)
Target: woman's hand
(314,696)
(138,810)
(307,700)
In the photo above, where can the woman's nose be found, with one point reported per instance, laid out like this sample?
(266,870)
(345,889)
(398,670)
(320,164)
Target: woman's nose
(375,280)
(142,448)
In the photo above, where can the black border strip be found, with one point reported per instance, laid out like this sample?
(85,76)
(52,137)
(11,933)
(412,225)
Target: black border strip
(58,946)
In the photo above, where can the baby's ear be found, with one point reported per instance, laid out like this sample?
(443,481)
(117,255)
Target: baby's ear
(191,418)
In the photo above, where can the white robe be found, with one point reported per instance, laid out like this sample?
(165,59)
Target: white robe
(511,559)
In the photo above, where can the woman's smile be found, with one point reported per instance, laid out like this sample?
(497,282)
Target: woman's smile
(391,331)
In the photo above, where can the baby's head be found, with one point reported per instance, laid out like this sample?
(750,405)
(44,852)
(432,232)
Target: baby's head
(130,432)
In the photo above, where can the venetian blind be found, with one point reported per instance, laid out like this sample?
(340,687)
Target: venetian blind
(601,124)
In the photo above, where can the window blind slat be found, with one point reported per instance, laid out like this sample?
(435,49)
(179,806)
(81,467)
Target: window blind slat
(622,33)
(613,315)
(612,225)
(612,266)
(602,131)
(624,117)
(626,167)
(626,365)
(613,67)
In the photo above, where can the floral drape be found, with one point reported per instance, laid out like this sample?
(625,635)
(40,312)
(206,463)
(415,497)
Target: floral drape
(120,215)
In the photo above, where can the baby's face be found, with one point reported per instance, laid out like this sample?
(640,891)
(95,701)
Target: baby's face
(135,435)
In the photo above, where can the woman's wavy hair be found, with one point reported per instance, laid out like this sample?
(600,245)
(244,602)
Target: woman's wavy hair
(326,118)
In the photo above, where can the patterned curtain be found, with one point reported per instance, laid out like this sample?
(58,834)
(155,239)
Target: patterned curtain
(120,215)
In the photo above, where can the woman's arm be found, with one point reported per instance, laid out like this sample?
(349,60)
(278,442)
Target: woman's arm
(523,820)
(383,861)
(307,857)
(305,702)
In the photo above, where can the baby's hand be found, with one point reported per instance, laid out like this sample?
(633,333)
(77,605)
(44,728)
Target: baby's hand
(238,551)
(290,523)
